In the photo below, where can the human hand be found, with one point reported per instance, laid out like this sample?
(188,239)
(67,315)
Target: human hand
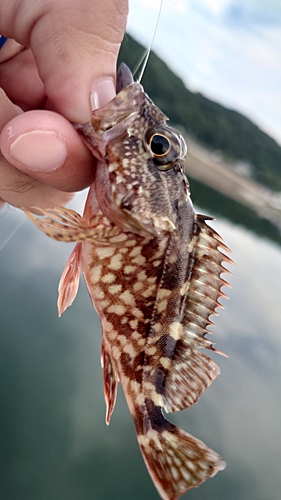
(58,53)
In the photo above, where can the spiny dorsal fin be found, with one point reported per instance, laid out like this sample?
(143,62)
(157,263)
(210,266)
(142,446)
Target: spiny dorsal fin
(192,371)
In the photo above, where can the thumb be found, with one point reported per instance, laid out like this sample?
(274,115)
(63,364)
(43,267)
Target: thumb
(75,46)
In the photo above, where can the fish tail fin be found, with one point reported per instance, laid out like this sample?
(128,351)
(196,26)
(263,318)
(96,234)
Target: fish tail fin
(177,461)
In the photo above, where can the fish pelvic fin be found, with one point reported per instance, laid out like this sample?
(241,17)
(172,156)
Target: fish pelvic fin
(69,282)
(110,381)
(177,461)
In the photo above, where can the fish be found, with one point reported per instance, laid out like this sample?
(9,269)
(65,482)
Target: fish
(153,269)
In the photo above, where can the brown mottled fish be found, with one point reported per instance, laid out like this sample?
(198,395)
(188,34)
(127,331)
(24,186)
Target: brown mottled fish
(153,270)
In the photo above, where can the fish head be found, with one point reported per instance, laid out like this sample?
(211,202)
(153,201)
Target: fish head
(140,179)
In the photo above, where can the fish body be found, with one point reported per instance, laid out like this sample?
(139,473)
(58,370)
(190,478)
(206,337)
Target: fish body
(153,270)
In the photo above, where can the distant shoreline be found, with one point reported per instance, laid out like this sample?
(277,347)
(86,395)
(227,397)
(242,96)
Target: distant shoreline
(208,168)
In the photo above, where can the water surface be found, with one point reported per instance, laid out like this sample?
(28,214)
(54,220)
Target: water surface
(54,441)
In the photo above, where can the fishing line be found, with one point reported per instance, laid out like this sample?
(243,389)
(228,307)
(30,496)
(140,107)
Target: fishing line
(12,234)
(3,40)
(146,55)
(175,3)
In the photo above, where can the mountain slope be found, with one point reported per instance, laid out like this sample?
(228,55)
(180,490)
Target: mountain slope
(208,122)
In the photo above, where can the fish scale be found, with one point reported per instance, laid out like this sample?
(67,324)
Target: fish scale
(153,270)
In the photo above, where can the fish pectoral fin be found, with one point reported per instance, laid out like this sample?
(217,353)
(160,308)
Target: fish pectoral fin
(69,282)
(177,461)
(64,224)
(110,380)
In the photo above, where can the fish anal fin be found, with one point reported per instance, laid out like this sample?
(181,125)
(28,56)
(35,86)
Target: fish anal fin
(191,372)
(177,461)
(69,282)
(110,380)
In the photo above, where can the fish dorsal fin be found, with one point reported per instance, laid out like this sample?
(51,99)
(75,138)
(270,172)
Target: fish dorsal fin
(191,371)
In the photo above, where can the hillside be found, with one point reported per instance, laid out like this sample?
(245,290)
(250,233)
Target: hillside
(209,123)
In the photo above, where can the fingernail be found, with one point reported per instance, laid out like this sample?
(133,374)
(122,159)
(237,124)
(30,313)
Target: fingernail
(102,92)
(39,150)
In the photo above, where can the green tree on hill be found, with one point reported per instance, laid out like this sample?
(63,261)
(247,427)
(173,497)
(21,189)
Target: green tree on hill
(211,124)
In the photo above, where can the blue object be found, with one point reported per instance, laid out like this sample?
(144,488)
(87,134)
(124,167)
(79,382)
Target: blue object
(3,39)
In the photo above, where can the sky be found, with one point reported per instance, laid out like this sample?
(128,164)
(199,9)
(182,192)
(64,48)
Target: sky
(229,50)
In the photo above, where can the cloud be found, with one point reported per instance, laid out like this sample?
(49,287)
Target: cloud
(241,12)
(228,50)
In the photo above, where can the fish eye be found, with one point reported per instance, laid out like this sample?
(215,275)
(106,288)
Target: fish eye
(160,145)
(165,146)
